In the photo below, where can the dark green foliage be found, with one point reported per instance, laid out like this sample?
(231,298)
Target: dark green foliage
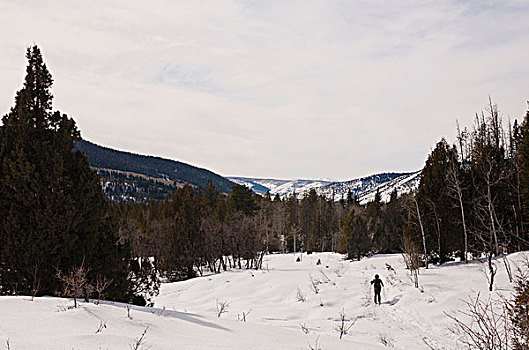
(479,196)
(154,167)
(355,240)
(242,199)
(522,180)
(438,209)
(52,208)
(519,309)
(394,217)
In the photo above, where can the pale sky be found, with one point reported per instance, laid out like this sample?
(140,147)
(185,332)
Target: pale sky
(277,89)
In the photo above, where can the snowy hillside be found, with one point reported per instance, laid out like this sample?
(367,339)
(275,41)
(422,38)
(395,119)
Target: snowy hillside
(365,188)
(185,316)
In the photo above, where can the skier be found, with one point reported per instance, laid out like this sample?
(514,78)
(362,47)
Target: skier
(378,287)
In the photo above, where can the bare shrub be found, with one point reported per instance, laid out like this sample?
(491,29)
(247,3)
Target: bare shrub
(300,296)
(102,283)
(102,325)
(501,324)
(138,342)
(343,327)
(8,345)
(485,324)
(222,307)
(314,284)
(385,340)
(304,328)
(243,316)
(316,346)
(412,259)
(326,278)
(35,283)
(75,284)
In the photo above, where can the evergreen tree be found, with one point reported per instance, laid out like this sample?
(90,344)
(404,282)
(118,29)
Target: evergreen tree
(437,205)
(523,173)
(52,207)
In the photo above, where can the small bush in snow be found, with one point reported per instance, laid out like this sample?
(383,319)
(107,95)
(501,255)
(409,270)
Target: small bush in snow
(304,328)
(343,327)
(316,346)
(300,296)
(222,307)
(385,340)
(138,342)
(102,325)
(314,284)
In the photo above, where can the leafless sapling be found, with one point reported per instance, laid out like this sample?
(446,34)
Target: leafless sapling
(314,284)
(343,327)
(411,259)
(222,307)
(138,342)
(102,325)
(484,324)
(243,316)
(455,190)
(316,346)
(304,328)
(75,283)
(102,283)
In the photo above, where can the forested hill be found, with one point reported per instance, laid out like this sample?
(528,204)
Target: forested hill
(134,177)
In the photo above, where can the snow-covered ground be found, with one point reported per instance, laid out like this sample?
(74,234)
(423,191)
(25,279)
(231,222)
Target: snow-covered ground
(365,188)
(185,313)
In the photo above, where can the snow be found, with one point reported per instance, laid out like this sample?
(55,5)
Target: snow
(185,313)
(365,188)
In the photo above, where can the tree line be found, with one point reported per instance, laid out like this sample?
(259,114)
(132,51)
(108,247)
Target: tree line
(473,196)
(198,230)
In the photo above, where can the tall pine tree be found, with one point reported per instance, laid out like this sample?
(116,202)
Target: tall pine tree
(52,208)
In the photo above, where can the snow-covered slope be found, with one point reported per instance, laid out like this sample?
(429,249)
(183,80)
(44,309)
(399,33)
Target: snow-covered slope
(408,318)
(185,316)
(365,188)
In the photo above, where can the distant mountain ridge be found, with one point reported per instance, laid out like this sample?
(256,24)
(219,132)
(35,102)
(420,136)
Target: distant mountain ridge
(365,188)
(132,177)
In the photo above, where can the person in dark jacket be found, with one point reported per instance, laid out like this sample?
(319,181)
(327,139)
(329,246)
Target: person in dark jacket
(377,282)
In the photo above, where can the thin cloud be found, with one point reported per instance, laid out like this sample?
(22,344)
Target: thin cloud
(333,89)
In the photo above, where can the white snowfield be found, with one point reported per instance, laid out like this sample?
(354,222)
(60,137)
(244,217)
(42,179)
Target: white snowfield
(185,316)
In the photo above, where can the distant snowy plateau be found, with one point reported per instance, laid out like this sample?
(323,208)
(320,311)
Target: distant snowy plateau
(365,188)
